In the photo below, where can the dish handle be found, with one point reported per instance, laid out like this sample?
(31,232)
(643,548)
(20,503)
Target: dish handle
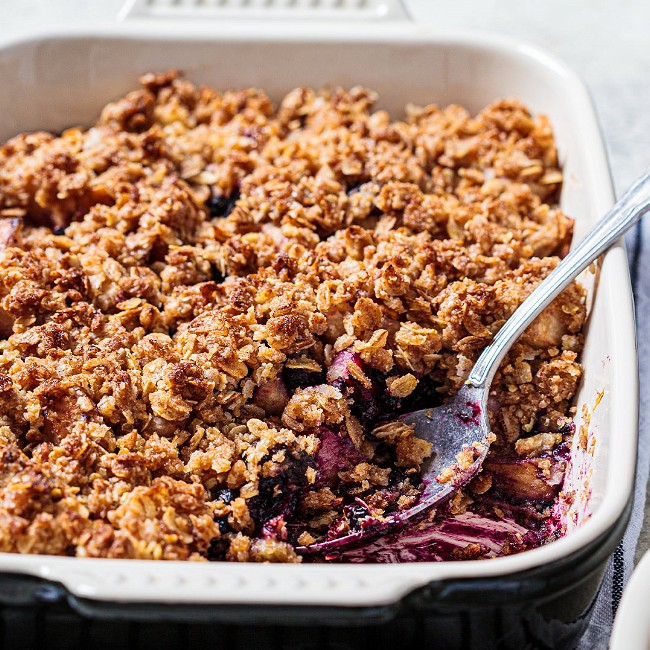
(250,10)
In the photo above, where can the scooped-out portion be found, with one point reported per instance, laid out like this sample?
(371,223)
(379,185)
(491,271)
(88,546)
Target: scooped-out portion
(213,310)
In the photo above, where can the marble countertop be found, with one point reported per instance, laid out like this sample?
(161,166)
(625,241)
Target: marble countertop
(605,41)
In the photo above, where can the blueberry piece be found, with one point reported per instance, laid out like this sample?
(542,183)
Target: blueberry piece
(388,404)
(271,502)
(217,549)
(425,395)
(567,428)
(301,378)
(216,275)
(562,452)
(224,495)
(218,205)
(59,230)
(224,526)
(356,514)
(339,375)
(221,206)
(366,410)
(295,473)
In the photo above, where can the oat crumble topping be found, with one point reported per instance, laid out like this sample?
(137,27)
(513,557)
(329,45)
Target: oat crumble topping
(212,309)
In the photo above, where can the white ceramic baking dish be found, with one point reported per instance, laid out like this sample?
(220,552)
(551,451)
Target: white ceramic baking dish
(62,78)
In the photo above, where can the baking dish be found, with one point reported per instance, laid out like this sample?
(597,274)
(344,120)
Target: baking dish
(63,78)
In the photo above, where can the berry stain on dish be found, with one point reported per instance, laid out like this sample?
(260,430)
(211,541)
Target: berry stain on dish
(214,311)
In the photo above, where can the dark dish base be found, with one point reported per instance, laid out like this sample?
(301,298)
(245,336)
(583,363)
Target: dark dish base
(543,608)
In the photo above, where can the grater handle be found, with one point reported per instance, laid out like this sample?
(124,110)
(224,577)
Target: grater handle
(250,10)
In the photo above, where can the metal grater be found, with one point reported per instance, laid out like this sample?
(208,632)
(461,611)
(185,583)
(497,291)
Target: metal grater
(265,9)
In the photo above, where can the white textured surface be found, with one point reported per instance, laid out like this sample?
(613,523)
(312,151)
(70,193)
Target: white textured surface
(267,9)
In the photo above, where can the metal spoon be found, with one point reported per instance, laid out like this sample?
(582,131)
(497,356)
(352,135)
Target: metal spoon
(459,430)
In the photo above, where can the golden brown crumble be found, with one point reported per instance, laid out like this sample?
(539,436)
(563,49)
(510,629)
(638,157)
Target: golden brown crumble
(209,306)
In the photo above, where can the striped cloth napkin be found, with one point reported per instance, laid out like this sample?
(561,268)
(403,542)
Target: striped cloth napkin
(621,563)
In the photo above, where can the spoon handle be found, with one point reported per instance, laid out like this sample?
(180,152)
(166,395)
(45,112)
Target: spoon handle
(620,218)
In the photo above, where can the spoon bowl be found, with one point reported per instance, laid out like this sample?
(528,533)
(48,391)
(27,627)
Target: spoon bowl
(459,433)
